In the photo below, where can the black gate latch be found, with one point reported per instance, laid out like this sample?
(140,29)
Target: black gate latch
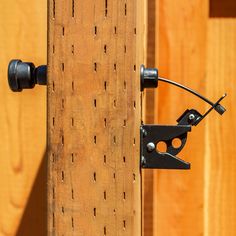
(173,137)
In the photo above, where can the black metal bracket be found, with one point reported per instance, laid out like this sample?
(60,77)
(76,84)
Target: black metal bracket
(152,135)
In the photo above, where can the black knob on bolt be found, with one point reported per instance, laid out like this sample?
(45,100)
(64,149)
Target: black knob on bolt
(148,77)
(24,75)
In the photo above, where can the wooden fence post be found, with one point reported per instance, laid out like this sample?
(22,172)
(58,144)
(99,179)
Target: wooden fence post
(95,49)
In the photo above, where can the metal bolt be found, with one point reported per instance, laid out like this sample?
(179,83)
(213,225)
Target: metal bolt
(150,147)
(144,132)
(191,117)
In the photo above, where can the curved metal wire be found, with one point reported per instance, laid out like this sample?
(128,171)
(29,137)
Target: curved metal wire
(220,109)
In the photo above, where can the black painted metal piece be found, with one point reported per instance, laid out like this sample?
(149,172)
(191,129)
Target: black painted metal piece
(148,77)
(193,117)
(24,75)
(152,135)
(189,117)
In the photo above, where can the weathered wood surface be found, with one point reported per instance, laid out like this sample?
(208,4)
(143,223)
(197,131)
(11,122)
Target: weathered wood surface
(94,114)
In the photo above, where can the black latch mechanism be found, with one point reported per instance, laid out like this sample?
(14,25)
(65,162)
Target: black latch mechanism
(152,135)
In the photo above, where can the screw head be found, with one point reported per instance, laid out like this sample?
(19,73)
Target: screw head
(191,117)
(151,147)
(144,132)
(143,161)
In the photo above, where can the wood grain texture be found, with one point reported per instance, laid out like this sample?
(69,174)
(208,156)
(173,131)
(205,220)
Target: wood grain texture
(94,113)
(220,162)
(178,206)
(22,115)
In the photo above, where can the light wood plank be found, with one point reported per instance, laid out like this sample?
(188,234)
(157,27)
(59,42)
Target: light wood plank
(178,206)
(22,116)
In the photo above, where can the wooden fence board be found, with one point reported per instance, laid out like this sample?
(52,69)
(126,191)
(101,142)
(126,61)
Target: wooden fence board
(220,163)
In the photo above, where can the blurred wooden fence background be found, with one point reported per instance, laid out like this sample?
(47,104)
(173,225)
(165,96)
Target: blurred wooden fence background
(195,44)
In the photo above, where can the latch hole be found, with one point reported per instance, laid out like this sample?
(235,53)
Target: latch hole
(176,143)
(161,147)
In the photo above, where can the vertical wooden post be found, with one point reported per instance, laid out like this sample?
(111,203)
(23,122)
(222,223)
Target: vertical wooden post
(95,49)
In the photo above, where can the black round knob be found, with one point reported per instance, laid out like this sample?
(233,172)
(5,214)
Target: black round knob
(24,75)
(148,77)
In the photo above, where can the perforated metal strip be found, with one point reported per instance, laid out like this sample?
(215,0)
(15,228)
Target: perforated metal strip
(94,112)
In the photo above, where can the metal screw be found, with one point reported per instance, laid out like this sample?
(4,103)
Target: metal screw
(191,117)
(150,147)
(144,132)
(143,161)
